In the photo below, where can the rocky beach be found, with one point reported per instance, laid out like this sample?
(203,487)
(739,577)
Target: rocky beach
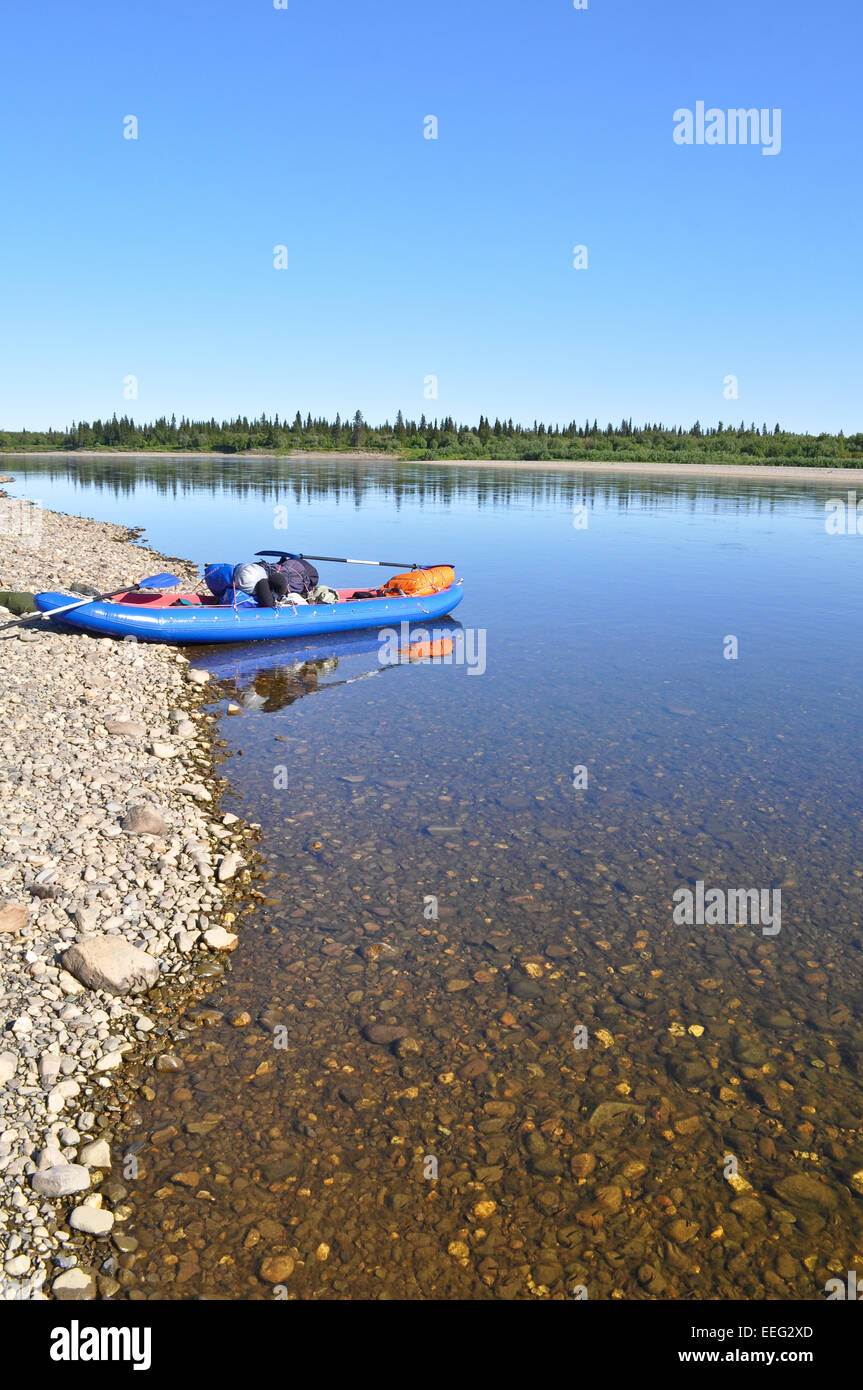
(116,872)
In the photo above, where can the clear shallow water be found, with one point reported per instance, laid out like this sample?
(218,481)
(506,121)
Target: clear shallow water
(604,648)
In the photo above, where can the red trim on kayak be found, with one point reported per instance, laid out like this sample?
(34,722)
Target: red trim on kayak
(137,598)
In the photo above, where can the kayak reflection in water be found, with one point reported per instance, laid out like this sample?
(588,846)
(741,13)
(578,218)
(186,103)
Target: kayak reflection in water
(274,684)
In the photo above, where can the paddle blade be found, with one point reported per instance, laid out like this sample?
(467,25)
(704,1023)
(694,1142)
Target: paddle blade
(159,581)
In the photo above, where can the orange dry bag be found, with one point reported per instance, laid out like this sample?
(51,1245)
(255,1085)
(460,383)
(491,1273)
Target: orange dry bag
(420,582)
(429,651)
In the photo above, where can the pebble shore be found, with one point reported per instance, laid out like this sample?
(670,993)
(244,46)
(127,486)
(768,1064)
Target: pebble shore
(116,873)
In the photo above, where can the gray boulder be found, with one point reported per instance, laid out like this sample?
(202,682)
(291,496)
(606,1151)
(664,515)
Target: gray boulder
(229,867)
(126,728)
(61,1180)
(110,963)
(74,1286)
(96,1154)
(144,820)
(92,1220)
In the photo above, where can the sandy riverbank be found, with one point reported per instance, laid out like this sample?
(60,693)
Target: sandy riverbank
(755,471)
(115,871)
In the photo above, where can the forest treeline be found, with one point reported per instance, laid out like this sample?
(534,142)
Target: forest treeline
(436,439)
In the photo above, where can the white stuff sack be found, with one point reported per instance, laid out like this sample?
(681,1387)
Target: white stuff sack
(247,576)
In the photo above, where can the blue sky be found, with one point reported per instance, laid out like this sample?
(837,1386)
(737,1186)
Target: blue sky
(408,257)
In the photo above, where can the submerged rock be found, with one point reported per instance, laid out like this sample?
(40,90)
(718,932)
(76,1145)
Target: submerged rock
(682,1231)
(802,1191)
(614,1110)
(524,988)
(275,1269)
(749,1209)
(167,1062)
(384,1033)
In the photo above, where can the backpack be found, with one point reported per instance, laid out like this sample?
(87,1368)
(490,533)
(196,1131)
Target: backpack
(218,578)
(220,582)
(302,576)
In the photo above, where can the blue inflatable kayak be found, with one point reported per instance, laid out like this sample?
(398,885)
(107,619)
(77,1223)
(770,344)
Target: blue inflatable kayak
(187,618)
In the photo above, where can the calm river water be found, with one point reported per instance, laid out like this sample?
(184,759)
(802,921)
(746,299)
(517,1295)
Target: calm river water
(487,1053)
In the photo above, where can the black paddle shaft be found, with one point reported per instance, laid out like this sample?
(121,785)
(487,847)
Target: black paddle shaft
(341,560)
